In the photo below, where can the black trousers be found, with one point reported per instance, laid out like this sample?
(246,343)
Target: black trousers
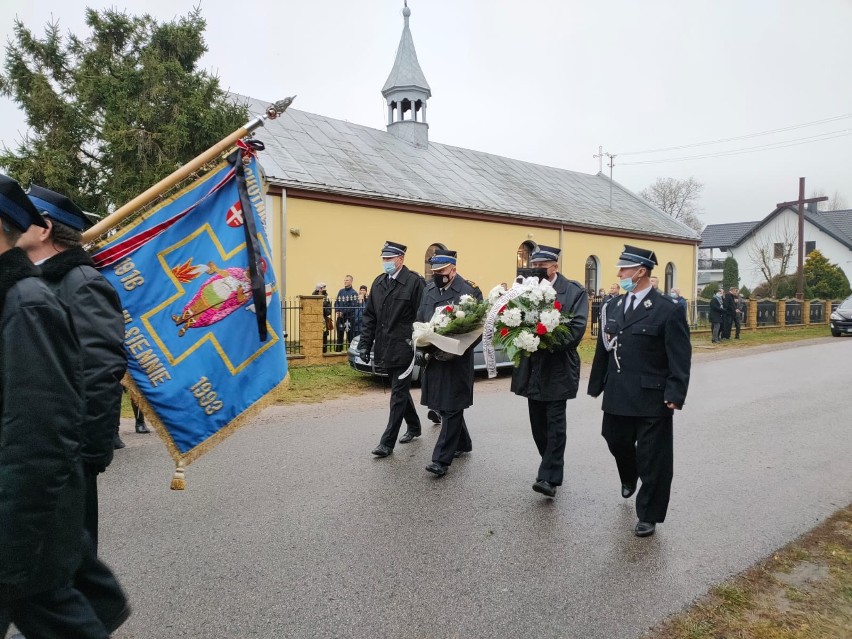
(548,423)
(97,583)
(726,326)
(63,613)
(643,448)
(401,407)
(737,323)
(454,436)
(90,519)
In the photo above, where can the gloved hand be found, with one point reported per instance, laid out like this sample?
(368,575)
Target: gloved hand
(421,357)
(364,354)
(91,469)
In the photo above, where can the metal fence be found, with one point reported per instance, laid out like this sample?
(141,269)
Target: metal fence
(817,312)
(343,323)
(767,313)
(793,313)
(595,313)
(291,311)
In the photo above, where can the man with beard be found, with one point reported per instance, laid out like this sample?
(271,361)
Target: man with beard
(386,328)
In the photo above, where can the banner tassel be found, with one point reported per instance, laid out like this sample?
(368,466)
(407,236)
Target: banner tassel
(179,479)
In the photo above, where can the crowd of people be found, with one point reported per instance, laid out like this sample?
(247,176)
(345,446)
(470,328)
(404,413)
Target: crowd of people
(342,319)
(641,367)
(726,312)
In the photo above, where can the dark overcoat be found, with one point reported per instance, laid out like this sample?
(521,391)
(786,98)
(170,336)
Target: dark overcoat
(42,405)
(717,310)
(386,324)
(447,385)
(98,320)
(651,361)
(555,375)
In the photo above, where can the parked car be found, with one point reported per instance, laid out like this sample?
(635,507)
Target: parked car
(841,318)
(478,361)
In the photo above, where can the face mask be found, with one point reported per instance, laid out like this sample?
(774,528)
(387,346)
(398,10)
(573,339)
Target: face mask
(389,267)
(540,273)
(440,279)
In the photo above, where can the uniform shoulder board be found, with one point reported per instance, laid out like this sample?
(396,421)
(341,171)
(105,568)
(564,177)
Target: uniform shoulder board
(472,283)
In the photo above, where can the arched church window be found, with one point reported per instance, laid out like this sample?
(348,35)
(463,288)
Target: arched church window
(427,269)
(592,269)
(524,251)
(670,273)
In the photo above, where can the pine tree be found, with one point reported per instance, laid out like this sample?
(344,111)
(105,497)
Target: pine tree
(111,114)
(824,279)
(730,273)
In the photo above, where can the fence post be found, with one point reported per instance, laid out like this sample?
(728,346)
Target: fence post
(806,313)
(752,314)
(311,325)
(781,313)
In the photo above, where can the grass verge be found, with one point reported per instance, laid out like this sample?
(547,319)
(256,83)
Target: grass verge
(803,591)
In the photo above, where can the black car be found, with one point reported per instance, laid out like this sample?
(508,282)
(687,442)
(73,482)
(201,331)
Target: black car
(841,318)
(478,361)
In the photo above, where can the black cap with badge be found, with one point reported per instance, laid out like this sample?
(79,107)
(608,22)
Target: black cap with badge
(15,206)
(58,207)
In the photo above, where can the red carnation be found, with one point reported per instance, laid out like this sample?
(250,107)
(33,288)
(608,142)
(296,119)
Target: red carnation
(557,305)
(504,331)
(540,329)
(449,309)
(503,309)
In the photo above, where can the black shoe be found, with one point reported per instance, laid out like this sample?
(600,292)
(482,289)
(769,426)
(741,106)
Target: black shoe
(142,429)
(459,453)
(117,443)
(437,468)
(408,436)
(382,451)
(433,417)
(545,488)
(627,490)
(645,529)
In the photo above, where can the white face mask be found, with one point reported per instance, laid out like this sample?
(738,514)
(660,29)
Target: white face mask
(389,267)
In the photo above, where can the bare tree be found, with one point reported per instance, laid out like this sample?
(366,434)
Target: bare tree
(678,198)
(836,201)
(772,256)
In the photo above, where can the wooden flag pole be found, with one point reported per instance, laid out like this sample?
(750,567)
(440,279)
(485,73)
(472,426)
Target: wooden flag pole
(272,112)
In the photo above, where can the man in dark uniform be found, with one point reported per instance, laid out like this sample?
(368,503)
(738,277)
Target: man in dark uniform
(386,328)
(447,381)
(641,365)
(99,324)
(42,492)
(730,305)
(717,316)
(548,379)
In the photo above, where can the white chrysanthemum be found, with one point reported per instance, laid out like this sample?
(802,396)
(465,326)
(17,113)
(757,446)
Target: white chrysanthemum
(548,291)
(466,299)
(460,314)
(443,320)
(535,295)
(495,293)
(526,341)
(531,317)
(511,317)
(550,319)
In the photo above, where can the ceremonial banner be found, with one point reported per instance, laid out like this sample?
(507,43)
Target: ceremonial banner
(201,308)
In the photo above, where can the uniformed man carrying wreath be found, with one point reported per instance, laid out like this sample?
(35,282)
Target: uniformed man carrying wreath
(548,379)
(641,366)
(386,327)
(447,381)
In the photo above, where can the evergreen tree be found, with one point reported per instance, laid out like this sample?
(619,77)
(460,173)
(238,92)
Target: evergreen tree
(730,273)
(824,279)
(113,113)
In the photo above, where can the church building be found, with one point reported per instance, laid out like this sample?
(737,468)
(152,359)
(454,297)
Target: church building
(396,184)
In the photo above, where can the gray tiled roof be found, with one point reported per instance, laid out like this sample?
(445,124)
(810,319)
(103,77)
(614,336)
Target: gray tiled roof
(313,152)
(723,236)
(838,224)
(406,70)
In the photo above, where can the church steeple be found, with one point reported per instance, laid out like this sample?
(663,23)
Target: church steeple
(407,91)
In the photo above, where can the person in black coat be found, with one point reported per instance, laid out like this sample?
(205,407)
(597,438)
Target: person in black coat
(730,307)
(447,380)
(42,405)
(717,315)
(641,365)
(99,324)
(386,328)
(548,379)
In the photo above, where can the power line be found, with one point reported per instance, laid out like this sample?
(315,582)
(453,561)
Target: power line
(740,137)
(822,137)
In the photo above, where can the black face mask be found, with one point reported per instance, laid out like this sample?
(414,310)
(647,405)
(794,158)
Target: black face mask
(440,279)
(540,273)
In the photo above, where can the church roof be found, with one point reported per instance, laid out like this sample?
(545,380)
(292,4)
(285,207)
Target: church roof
(724,236)
(317,153)
(406,72)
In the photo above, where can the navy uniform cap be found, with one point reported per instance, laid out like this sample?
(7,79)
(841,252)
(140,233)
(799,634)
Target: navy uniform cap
(58,207)
(392,249)
(16,207)
(633,256)
(545,254)
(442,259)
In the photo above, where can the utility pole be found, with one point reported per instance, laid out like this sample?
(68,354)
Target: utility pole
(610,165)
(800,286)
(599,155)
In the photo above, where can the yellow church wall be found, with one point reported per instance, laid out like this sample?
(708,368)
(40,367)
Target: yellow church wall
(337,238)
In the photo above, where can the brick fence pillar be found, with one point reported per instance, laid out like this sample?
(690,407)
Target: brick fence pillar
(311,324)
(806,313)
(752,314)
(781,313)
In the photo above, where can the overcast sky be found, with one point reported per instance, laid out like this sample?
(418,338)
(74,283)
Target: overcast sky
(547,81)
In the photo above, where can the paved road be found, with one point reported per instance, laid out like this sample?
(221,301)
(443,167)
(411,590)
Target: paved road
(292,529)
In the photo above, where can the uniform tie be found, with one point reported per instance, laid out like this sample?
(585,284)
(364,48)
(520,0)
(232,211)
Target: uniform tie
(630,304)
